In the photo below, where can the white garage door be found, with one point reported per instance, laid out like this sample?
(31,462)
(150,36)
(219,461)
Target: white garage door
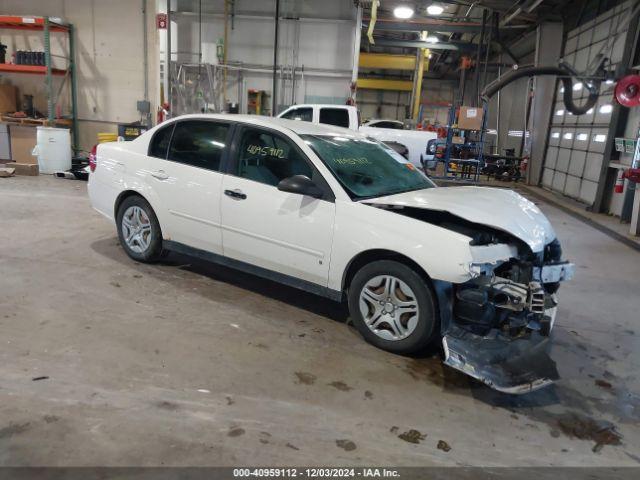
(576,143)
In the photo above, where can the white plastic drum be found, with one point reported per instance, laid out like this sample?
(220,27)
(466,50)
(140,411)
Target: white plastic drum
(53,149)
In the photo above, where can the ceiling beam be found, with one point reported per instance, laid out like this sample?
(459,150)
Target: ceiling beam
(456,46)
(434,26)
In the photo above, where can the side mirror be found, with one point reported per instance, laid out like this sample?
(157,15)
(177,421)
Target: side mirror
(302,185)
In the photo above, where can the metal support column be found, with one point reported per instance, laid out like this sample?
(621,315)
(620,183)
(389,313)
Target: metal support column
(74,87)
(356,45)
(168,98)
(417,83)
(548,51)
(49,75)
(274,98)
(478,56)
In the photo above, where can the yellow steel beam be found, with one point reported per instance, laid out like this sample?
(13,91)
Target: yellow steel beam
(387,61)
(385,84)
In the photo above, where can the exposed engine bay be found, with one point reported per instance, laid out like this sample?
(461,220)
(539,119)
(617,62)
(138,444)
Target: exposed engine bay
(496,326)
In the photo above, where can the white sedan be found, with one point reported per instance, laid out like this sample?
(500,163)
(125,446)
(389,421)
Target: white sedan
(334,212)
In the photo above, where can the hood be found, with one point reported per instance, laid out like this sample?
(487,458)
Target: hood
(499,208)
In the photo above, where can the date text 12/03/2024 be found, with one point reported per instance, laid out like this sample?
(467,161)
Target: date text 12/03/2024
(315,473)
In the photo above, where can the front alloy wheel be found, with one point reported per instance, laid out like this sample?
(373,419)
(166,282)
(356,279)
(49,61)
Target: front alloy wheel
(389,307)
(393,307)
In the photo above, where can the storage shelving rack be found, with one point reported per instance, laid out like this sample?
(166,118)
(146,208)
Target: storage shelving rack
(478,147)
(48,26)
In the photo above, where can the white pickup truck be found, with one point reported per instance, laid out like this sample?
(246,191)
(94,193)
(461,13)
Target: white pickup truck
(384,130)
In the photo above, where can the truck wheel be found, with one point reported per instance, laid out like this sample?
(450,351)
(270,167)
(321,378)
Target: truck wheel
(393,307)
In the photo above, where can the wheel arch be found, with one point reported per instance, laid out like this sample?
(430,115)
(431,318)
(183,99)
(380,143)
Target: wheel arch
(372,255)
(123,196)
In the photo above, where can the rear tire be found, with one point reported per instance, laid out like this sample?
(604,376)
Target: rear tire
(138,230)
(393,307)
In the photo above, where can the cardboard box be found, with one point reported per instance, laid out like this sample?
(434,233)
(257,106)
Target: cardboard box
(456,140)
(23,140)
(470,118)
(30,169)
(8,98)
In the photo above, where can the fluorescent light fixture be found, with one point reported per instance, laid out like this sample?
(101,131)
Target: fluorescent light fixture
(435,9)
(559,112)
(561,89)
(606,108)
(577,86)
(555,135)
(403,11)
(609,82)
(492,131)
(600,138)
(568,136)
(432,39)
(582,137)
(590,111)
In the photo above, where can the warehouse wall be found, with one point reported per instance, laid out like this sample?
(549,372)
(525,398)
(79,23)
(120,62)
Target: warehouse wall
(318,38)
(109,47)
(577,143)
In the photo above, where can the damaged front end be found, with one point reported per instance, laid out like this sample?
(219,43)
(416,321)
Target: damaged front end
(498,325)
(495,327)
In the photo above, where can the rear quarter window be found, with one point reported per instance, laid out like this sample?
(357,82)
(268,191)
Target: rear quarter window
(335,116)
(159,144)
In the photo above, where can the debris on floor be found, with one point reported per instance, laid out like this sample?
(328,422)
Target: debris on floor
(346,445)
(7,172)
(444,446)
(584,428)
(412,436)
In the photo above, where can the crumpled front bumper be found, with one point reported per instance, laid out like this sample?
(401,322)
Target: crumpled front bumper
(509,359)
(514,366)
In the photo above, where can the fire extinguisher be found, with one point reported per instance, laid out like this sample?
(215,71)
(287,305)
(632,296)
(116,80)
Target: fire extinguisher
(619,188)
(523,166)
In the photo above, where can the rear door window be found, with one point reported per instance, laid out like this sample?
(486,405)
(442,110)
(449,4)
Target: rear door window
(303,113)
(335,116)
(199,143)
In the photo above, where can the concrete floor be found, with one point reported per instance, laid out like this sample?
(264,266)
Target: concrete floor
(189,364)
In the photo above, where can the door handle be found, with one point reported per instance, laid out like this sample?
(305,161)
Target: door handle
(160,175)
(235,194)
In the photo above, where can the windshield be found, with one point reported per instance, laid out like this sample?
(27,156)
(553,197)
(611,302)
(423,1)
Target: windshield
(367,168)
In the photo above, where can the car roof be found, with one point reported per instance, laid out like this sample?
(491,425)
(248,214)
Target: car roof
(297,126)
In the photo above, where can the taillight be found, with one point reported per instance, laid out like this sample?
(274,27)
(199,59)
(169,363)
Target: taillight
(93,160)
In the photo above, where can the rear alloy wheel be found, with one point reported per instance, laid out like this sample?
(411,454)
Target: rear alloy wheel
(392,307)
(138,230)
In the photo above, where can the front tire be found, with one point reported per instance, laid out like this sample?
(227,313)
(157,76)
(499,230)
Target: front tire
(393,307)
(138,230)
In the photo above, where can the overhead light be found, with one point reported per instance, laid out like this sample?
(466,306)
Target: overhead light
(582,137)
(568,136)
(559,112)
(403,11)
(608,108)
(600,138)
(435,9)
(431,55)
(432,39)
(577,86)
(609,82)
